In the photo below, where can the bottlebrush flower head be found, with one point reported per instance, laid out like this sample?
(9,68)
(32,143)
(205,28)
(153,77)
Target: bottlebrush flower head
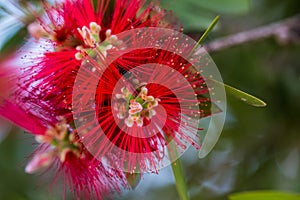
(131,107)
(61,150)
(72,29)
(73,26)
(81,31)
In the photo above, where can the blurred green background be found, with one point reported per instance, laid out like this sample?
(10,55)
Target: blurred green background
(259,148)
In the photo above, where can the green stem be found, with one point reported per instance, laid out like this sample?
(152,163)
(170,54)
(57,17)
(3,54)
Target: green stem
(177,171)
(180,180)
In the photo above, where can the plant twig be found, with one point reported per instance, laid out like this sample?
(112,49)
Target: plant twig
(285,31)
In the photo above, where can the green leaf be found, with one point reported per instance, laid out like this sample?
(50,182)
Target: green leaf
(14,42)
(243,96)
(197,14)
(208,30)
(133,179)
(264,195)
(225,6)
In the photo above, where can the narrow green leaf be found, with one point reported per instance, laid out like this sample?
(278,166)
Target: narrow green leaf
(205,34)
(264,195)
(208,30)
(243,96)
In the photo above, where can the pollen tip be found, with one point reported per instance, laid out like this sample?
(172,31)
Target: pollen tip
(108,32)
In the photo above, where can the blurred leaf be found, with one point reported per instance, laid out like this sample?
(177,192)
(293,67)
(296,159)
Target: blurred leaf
(14,42)
(264,195)
(225,6)
(243,96)
(197,14)
(133,179)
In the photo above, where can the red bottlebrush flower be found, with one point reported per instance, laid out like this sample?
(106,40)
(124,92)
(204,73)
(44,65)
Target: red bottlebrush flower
(78,29)
(67,26)
(74,29)
(139,118)
(133,108)
(62,151)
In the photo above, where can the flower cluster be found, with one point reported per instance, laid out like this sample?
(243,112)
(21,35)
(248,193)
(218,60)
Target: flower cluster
(77,33)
